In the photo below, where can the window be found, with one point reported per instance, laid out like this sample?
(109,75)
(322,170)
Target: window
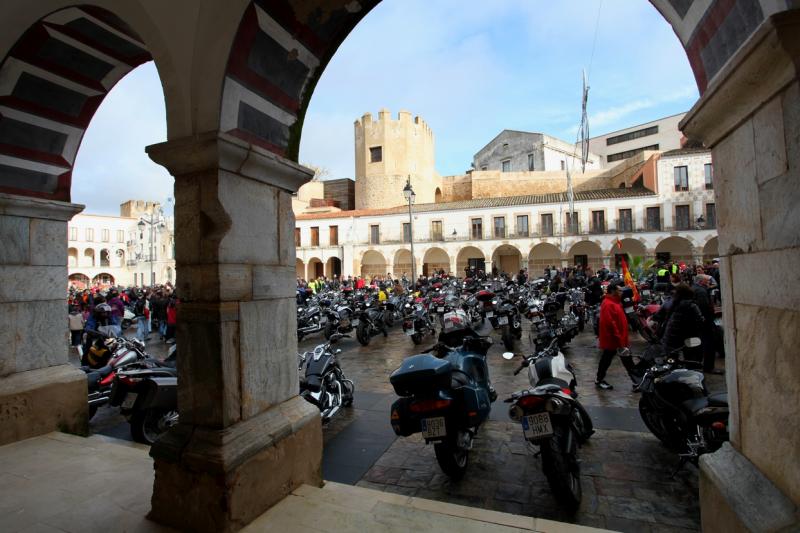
(105,235)
(484,167)
(505,147)
(73,234)
(89,234)
(632,135)
(375,154)
(315,236)
(654,218)
(572,223)
(625,222)
(598,221)
(563,165)
(629,153)
(406,232)
(477,228)
(506,165)
(333,235)
(682,217)
(547,225)
(711,216)
(522,226)
(436,231)
(681,178)
(709,176)
(530,162)
(375,234)
(120,235)
(297,237)
(499,227)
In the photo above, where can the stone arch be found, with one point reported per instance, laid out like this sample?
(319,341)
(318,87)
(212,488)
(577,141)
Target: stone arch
(314,269)
(333,267)
(467,255)
(103,279)
(437,195)
(88,258)
(402,263)
(631,247)
(506,258)
(373,263)
(119,254)
(434,260)
(105,257)
(79,280)
(586,250)
(299,268)
(675,249)
(72,257)
(711,250)
(543,255)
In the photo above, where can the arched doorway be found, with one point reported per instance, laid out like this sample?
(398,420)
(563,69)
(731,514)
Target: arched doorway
(333,267)
(72,257)
(402,263)
(299,268)
(88,258)
(437,196)
(472,258)
(541,256)
(675,249)
(630,249)
(103,280)
(506,259)
(315,269)
(79,281)
(435,260)
(373,264)
(586,253)
(105,258)
(711,250)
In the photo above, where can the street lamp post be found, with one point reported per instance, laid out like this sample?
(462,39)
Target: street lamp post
(410,196)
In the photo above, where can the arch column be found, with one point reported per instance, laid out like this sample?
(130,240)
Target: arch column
(242,424)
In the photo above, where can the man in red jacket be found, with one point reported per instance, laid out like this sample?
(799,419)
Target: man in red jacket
(613,333)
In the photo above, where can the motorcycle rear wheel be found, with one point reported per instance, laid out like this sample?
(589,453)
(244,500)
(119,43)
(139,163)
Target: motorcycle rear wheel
(452,460)
(149,424)
(562,470)
(362,333)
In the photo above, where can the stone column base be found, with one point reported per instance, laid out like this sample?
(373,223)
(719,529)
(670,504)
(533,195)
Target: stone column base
(221,480)
(736,497)
(39,401)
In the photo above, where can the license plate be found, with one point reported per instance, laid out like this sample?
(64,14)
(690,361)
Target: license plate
(433,428)
(410,332)
(645,293)
(629,309)
(354,322)
(489,314)
(129,400)
(537,426)
(502,320)
(440,309)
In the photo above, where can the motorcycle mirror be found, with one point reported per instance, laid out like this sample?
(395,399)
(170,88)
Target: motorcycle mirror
(508,356)
(692,342)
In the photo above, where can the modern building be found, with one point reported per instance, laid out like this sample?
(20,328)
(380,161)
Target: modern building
(658,135)
(135,248)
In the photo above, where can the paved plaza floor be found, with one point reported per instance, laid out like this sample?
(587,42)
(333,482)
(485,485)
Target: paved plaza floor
(626,472)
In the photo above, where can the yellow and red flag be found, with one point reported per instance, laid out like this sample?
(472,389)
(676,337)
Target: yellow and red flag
(628,279)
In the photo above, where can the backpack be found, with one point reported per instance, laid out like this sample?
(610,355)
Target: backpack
(138,309)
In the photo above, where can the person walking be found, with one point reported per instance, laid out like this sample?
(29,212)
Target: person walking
(76,325)
(613,334)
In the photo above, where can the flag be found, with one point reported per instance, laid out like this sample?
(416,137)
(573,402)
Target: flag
(619,244)
(628,279)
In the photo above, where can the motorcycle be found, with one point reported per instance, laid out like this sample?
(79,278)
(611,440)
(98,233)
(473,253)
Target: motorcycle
(147,396)
(339,320)
(446,396)
(368,321)
(323,383)
(553,419)
(677,407)
(309,320)
(417,323)
(509,321)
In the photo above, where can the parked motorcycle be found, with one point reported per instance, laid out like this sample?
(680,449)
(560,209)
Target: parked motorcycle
(339,319)
(418,322)
(445,393)
(368,321)
(323,382)
(508,320)
(553,419)
(309,320)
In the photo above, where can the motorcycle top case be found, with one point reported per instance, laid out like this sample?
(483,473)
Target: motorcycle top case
(421,373)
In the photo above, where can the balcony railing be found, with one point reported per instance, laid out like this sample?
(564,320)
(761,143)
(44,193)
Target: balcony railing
(625,225)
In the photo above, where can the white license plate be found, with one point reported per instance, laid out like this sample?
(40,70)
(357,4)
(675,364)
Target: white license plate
(410,332)
(489,314)
(354,322)
(502,320)
(433,428)
(645,293)
(129,400)
(440,309)
(537,426)
(629,309)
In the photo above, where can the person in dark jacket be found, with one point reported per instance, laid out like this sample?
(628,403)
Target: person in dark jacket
(613,335)
(685,320)
(707,330)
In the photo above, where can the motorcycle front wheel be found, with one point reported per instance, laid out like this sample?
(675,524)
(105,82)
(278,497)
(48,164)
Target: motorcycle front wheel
(452,459)
(416,338)
(508,338)
(667,431)
(149,424)
(362,333)
(388,319)
(562,469)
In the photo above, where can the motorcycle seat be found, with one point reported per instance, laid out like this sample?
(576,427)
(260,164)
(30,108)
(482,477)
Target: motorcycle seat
(718,400)
(715,400)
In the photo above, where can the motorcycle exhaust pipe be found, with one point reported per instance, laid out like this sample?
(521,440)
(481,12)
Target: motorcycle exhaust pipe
(330,412)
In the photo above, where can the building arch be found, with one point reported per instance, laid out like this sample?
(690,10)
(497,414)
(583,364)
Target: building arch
(402,263)
(586,253)
(373,263)
(105,257)
(79,280)
(314,269)
(543,255)
(711,250)
(630,248)
(88,259)
(72,257)
(468,257)
(333,267)
(299,268)
(434,260)
(506,258)
(674,248)
(119,257)
(437,195)
(103,279)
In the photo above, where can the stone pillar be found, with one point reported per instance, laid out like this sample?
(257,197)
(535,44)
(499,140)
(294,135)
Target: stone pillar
(245,438)
(750,117)
(40,391)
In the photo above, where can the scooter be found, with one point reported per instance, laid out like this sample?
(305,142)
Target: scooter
(445,393)
(553,419)
(323,383)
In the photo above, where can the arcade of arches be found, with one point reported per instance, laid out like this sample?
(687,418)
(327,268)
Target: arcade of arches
(237,78)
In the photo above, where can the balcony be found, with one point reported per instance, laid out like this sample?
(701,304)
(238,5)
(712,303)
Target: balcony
(625,225)
(598,228)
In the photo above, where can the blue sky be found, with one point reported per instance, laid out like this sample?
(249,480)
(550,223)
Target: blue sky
(469,68)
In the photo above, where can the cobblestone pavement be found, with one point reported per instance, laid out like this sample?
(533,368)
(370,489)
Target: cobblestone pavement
(626,473)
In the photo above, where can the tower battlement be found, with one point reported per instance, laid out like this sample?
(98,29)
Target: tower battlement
(385,119)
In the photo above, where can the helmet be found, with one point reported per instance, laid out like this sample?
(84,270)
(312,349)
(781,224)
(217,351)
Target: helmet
(455,321)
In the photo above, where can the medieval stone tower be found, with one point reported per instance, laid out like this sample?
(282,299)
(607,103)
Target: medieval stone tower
(387,152)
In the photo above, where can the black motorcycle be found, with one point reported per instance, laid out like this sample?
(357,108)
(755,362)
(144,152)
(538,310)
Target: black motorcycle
(553,419)
(508,320)
(417,322)
(339,319)
(445,393)
(369,321)
(323,382)
(309,320)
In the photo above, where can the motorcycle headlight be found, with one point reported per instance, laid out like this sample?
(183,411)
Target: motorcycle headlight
(407,306)
(494,302)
